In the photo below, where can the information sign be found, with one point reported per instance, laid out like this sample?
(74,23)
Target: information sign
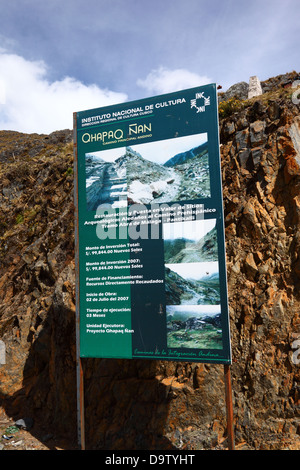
(151,270)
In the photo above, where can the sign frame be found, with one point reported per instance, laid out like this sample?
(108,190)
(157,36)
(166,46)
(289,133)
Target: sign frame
(90,137)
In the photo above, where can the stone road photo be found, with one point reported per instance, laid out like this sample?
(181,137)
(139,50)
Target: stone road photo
(163,171)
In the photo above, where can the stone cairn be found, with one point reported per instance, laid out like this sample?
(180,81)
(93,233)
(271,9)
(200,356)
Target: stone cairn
(254,87)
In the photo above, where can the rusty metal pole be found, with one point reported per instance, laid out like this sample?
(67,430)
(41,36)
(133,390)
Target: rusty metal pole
(81,421)
(229,407)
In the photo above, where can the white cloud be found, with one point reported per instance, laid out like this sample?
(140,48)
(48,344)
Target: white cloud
(31,103)
(163,80)
(2,92)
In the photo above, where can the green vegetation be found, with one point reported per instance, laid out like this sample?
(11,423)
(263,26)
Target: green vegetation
(226,108)
(19,219)
(209,337)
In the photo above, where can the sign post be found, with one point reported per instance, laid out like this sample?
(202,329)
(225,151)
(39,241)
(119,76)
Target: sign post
(229,407)
(150,247)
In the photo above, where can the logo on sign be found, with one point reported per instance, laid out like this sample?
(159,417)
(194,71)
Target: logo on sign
(200,102)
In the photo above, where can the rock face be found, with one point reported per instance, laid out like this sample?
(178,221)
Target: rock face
(239,90)
(37,273)
(154,404)
(261,173)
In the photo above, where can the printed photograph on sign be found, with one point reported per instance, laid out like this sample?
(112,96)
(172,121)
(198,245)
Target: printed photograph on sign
(194,326)
(106,180)
(192,284)
(190,241)
(162,171)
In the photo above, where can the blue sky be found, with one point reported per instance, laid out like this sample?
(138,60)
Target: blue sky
(57,57)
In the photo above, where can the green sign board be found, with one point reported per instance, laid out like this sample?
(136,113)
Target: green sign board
(151,272)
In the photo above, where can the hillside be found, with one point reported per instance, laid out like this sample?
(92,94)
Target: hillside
(180,291)
(153,404)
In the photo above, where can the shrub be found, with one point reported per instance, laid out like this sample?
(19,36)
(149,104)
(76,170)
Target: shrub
(226,108)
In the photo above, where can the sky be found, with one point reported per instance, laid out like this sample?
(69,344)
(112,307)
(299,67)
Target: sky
(191,230)
(61,56)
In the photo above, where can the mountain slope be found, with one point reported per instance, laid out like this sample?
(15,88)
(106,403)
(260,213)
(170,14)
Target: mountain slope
(135,404)
(188,251)
(183,157)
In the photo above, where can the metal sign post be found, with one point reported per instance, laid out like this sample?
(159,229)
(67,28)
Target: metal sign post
(229,407)
(80,398)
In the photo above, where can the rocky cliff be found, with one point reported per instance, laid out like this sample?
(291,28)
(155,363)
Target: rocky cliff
(154,404)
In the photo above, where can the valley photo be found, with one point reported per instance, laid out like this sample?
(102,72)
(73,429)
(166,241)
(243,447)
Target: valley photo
(190,241)
(162,171)
(194,326)
(192,283)
(191,262)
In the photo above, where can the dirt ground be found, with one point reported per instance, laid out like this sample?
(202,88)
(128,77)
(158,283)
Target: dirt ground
(14,438)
